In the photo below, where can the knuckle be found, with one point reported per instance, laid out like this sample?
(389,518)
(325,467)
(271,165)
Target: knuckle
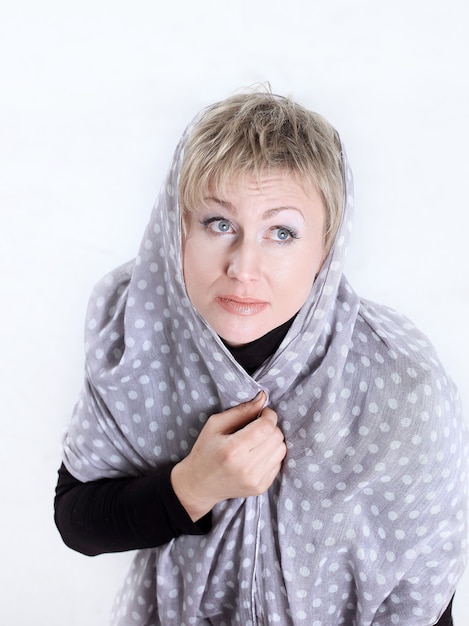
(265,425)
(270,414)
(231,453)
(256,488)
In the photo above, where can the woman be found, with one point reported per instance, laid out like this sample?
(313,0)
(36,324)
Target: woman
(342,501)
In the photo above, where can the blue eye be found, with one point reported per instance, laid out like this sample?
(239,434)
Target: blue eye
(222,225)
(217,225)
(283,234)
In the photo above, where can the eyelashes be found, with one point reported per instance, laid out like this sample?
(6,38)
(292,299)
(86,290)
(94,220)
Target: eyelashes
(285,230)
(218,225)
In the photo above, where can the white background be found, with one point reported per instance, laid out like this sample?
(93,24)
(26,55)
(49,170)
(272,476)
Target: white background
(93,98)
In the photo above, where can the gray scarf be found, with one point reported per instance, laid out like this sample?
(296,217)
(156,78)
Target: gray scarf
(365,523)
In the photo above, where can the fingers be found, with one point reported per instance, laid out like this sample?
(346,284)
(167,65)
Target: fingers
(259,430)
(235,418)
(238,453)
(262,465)
(265,450)
(248,426)
(271,449)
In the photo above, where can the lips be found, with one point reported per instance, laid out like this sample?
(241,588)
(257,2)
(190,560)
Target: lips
(241,306)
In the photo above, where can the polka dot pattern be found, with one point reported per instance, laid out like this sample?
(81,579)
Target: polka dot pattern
(365,524)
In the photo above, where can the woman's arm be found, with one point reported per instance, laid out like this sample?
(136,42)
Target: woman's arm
(238,453)
(118,514)
(446,619)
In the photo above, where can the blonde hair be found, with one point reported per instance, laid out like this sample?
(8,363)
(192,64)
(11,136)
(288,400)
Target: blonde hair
(249,133)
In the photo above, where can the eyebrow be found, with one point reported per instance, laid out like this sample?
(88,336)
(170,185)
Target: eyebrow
(269,213)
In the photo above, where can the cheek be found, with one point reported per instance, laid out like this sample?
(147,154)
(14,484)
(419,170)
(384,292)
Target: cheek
(316,258)
(301,270)
(305,279)
(196,268)
(300,286)
(290,287)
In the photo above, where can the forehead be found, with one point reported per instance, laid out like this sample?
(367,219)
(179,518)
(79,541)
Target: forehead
(266,182)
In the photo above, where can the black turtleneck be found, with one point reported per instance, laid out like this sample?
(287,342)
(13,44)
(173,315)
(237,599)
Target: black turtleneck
(251,355)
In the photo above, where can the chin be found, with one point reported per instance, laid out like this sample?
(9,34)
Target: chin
(237,338)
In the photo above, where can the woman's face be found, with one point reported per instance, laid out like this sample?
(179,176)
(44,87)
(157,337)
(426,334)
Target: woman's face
(251,254)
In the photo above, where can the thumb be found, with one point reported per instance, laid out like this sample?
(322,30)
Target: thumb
(235,418)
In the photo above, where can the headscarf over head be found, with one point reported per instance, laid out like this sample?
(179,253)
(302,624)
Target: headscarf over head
(365,524)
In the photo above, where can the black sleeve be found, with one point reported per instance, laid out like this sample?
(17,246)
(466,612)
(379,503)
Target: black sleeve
(118,514)
(446,619)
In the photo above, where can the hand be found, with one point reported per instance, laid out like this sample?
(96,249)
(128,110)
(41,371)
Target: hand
(238,453)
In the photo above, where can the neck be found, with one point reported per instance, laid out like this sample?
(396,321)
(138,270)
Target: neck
(251,355)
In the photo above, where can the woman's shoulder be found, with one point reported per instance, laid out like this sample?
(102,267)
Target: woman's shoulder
(409,398)
(403,360)
(397,339)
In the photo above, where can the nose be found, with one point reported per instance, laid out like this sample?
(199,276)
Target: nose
(244,262)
